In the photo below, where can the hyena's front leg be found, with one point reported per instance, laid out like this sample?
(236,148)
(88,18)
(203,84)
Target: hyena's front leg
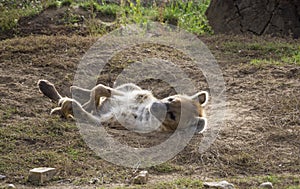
(64,108)
(69,107)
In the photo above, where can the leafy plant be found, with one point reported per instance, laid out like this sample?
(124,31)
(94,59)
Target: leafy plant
(189,15)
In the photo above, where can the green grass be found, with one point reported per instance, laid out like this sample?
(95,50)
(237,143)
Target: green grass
(189,15)
(289,58)
(179,183)
(270,53)
(282,54)
(9,17)
(166,168)
(262,62)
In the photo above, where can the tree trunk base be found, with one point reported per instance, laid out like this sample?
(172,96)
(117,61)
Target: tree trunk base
(259,17)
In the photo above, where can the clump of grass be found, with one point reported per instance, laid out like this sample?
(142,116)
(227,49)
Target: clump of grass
(294,58)
(166,168)
(267,48)
(262,62)
(9,16)
(10,111)
(290,58)
(108,9)
(178,183)
(270,53)
(52,4)
(70,18)
(66,3)
(189,15)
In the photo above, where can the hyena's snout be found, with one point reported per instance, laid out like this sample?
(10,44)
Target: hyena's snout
(159,110)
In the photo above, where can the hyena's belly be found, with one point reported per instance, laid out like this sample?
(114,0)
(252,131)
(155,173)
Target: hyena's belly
(133,111)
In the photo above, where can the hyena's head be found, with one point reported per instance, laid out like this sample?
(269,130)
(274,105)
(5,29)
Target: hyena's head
(181,111)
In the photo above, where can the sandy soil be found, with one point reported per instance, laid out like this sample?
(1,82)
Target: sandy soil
(260,135)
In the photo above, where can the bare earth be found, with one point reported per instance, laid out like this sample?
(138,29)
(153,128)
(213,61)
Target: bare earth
(259,138)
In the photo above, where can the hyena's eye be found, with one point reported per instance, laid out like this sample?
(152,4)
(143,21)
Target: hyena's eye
(172,116)
(171,99)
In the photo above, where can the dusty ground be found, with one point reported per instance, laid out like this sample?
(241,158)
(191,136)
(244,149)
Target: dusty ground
(259,140)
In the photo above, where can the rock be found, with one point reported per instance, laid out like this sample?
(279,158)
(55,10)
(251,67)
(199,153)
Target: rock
(259,17)
(266,185)
(2,177)
(141,178)
(41,175)
(218,185)
(10,186)
(94,181)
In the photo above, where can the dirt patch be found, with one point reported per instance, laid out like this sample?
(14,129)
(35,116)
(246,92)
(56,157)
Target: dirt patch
(260,135)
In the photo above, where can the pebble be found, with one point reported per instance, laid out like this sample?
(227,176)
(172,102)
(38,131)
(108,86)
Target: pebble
(10,186)
(141,178)
(219,185)
(94,181)
(266,185)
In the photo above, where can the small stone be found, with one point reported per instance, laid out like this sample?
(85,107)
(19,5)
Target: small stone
(266,185)
(41,175)
(2,177)
(218,185)
(94,181)
(10,186)
(147,51)
(141,178)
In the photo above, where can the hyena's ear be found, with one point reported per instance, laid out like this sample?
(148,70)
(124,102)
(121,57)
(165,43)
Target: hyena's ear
(201,97)
(201,124)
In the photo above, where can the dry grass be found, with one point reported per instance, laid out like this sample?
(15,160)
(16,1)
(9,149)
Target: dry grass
(258,142)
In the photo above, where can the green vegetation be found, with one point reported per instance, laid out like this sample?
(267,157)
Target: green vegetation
(270,53)
(9,16)
(166,168)
(289,58)
(179,183)
(189,15)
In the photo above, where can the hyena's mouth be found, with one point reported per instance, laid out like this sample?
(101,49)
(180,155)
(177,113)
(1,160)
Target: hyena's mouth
(159,110)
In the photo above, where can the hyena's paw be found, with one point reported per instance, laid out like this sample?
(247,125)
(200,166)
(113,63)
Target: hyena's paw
(65,108)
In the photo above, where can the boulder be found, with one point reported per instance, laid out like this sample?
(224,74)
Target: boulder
(259,17)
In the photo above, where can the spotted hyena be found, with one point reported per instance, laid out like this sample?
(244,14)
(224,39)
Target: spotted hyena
(131,106)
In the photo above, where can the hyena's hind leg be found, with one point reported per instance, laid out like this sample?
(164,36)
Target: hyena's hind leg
(49,90)
(93,104)
(64,103)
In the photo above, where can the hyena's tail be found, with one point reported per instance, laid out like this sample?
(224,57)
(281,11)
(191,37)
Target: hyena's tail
(49,90)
